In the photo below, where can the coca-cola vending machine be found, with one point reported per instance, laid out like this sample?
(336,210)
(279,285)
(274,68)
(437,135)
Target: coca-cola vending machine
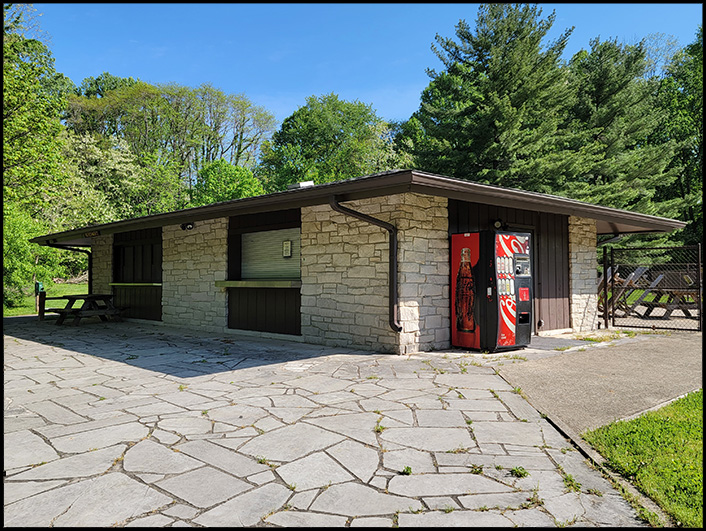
(491,290)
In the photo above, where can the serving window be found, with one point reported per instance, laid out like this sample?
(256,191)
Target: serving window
(264,272)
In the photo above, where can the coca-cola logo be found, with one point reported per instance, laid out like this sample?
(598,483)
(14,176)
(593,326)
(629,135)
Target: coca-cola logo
(512,244)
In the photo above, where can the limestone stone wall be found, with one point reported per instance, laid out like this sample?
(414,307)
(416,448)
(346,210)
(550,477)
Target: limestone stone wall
(102,257)
(192,261)
(344,268)
(424,291)
(345,274)
(582,274)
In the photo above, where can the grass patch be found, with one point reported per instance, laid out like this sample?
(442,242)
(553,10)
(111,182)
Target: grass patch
(27,307)
(603,337)
(661,453)
(519,472)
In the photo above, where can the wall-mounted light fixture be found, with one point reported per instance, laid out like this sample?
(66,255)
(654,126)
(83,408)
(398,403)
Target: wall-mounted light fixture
(187,226)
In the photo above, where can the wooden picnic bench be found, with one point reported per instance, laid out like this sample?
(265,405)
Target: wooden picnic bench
(624,289)
(670,300)
(619,290)
(97,304)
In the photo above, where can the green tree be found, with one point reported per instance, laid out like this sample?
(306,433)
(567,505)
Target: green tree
(32,104)
(181,127)
(98,87)
(30,112)
(220,181)
(326,140)
(614,115)
(681,96)
(496,111)
(107,182)
(233,127)
(23,263)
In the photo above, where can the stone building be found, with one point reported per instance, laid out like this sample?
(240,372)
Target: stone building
(363,262)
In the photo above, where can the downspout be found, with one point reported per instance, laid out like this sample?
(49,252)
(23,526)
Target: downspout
(90,261)
(392,278)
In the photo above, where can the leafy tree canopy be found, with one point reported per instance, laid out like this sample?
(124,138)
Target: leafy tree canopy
(681,96)
(614,114)
(31,152)
(98,87)
(327,140)
(30,111)
(221,181)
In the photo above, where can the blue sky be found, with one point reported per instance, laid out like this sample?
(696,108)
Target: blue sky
(280,54)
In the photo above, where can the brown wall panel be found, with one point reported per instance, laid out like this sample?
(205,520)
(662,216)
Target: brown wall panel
(265,310)
(137,258)
(139,302)
(550,253)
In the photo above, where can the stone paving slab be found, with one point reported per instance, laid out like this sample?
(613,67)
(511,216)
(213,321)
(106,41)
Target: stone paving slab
(139,425)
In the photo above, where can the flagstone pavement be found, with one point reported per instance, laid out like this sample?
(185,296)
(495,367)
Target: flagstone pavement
(133,424)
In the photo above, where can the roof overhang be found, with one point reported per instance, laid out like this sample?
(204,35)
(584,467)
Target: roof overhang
(608,220)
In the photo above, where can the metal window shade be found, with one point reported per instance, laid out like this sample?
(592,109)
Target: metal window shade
(262,255)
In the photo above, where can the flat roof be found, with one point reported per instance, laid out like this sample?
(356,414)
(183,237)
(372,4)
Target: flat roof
(608,220)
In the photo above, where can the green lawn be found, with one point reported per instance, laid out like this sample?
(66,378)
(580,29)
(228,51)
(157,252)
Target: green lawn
(55,290)
(661,453)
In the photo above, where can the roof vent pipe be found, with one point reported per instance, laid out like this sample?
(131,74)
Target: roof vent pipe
(302,184)
(392,277)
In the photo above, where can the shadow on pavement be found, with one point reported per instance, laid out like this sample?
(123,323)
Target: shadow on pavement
(155,347)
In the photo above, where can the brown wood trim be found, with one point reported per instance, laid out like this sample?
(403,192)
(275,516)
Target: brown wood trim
(258,283)
(387,183)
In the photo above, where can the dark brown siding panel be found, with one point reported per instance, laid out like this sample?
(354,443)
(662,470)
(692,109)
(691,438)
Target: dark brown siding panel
(283,219)
(137,258)
(566,288)
(551,252)
(552,269)
(265,310)
(139,302)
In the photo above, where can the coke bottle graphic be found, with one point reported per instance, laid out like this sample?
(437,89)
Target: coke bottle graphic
(465,294)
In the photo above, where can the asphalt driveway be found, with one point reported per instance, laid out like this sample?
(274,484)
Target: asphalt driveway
(587,387)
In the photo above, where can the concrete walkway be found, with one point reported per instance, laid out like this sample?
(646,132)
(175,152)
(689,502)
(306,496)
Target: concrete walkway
(585,388)
(127,424)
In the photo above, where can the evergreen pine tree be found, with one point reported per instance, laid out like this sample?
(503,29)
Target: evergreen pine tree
(614,116)
(494,114)
(681,96)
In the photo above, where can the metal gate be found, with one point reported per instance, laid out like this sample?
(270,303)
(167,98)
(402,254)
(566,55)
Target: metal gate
(656,288)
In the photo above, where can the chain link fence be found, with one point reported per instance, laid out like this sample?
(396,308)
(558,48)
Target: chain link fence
(655,288)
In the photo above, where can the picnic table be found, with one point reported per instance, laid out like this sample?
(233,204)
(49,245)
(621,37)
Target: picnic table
(620,290)
(670,300)
(96,304)
(639,295)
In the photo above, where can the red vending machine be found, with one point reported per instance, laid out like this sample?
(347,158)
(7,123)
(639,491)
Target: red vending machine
(491,290)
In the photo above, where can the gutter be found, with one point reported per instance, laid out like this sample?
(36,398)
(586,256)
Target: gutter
(90,261)
(392,277)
